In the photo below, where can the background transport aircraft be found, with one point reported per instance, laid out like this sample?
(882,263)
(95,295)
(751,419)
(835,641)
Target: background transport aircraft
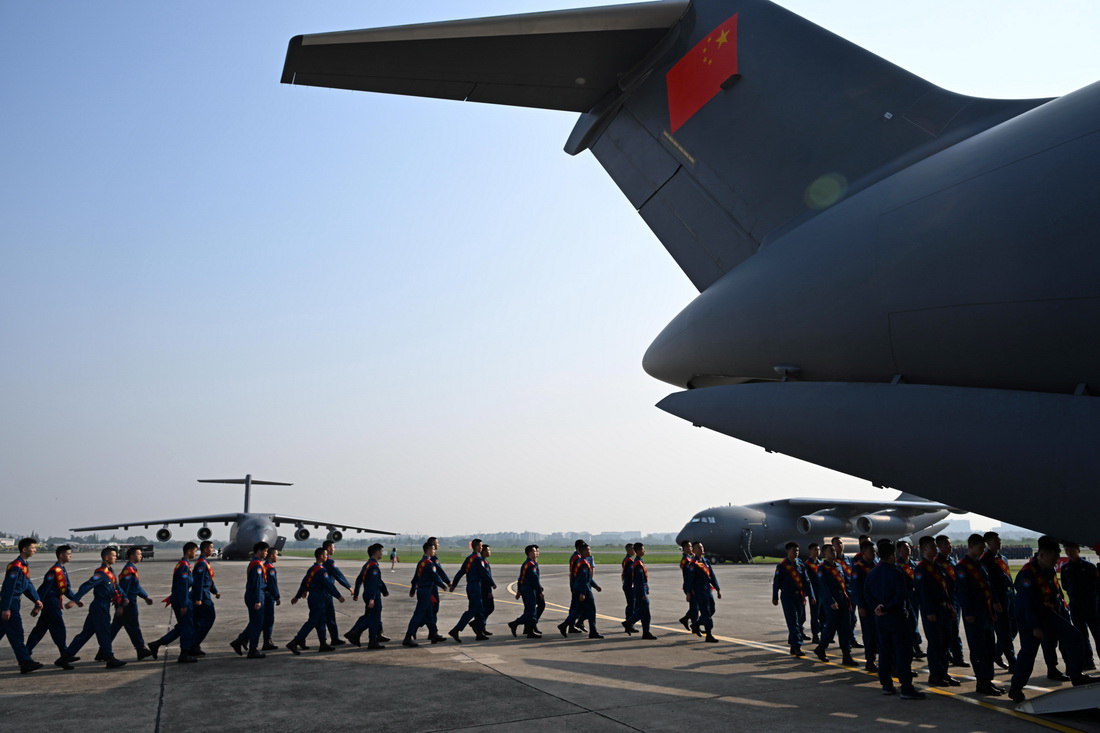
(896,281)
(740,533)
(247,528)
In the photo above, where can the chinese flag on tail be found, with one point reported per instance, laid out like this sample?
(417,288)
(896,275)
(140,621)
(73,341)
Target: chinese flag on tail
(698,76)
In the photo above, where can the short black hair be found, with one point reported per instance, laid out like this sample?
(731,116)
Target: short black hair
(260,546)
(105,550)
(991,535)
(318,552)
(61,550)
(189,546)
(811,546)
(942,538)
(1048,544)
(485,546)
(132,550)
(328,543)
(527,550)
(789,545)
(204,544)
(885,549)
(926,540)
(637,546)
(866,544)
(475,541)
(374,548)
(834,540)
(428,545)
(974,540)
(578,544)
(27,542)
(1074,545)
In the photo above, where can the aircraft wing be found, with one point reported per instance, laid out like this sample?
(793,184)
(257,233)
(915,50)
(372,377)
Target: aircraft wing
(565,60)
(280,518)
(210,518)
(853,507)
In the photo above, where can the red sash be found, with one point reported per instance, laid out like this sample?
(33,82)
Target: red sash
(313,571)
(59,579)
(702,566)
(574,560)
(645,572)
(838,574)
(944,563)
(116,594)
(1000,562)
(128,571)
(1051,590)
(907,569)
(628,560)
(19,564)
(253,564)
(974,573)
(793,572)
(933,569)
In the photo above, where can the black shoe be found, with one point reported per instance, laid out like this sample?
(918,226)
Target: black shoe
(871,667)
(685,621)
(453,633)
(847,661)
(409,642)
(196,651)
(533,635)
(1055,675)
(486,632)
(952,681)
(143,652)
(918,654)
(575,630)
(628,628)
(512,626)
(959,663)
(99,657)
(581,628)
(303,646)
(115,663)
(889,691)
(1083,679)
(186,659)
(856,645)
(337,641)
(536,629)
(796,651)
(1016,694)
(711,639)
(374,645)
(820,653)
(593,635)
(562,628)
(1088,666)
(988,688)
(353,639)
(696,629)
(326,648)
(256,654)
(1000,662)
(911,693)
(938,682)
(268,646)
(238,646)
(435,638)
(481,637)
(295,646)
(815,640)
(648,636)
(383,639)
(154,647)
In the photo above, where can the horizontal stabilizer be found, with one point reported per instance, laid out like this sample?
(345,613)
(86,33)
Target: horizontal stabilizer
(254,482)
(564,60)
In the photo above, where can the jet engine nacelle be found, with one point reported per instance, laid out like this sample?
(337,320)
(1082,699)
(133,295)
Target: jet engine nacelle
(301,534)
(884,525)
(335,535)
(823,524)
(163,534)
(204,533)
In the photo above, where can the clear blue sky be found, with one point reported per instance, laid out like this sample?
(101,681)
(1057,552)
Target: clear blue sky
(421,312)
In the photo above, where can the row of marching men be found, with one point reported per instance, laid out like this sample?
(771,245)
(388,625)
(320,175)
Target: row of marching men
(887,589)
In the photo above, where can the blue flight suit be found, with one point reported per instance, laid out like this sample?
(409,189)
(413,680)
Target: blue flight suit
(790,577)
(319,587)
(373,587)
(330,605)
(530,587)
(909,567)
(425,581)
(574,562)
(255,594)
(692,615)
(271,594)
(476,576)
(954,639)
(1004,626)
(183,608)
(203,590)
(487,601)
(846,565)
(130,585)
(103,585)
(834,589)
(937,608)
(975,596)
(1039,605)
(698,585)
(54,590)
(639,586)
(817,613)
(1080,580)
(867,620)
(627,576)
(886,587)
(17,582)
(586,605)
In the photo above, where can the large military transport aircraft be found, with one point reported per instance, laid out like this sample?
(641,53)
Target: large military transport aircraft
(741,533)
(896,281)
(247,528)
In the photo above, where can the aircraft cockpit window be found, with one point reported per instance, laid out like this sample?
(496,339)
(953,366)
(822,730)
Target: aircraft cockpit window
(708,520)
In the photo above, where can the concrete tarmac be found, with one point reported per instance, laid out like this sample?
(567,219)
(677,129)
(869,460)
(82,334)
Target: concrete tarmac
(554,684)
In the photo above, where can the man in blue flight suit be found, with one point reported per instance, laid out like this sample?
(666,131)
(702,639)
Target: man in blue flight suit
(374,588)
(845,564)
(861,568)
(271,598)
(488,603)
(54,590)
(130,585)
(435,589)
(691,618)
(640,587)
(837,605)
(317,586)
(425,581)
(627,576)
(572,623)
(17,583)
(255,591)
(908,566)
(946,560)
(1042,617)
(885,593)
(790,577)
(1080,580)
(340,579)
(697,587)
(817,613)
(182,606)
(937,608)
(978,608)
(529,588)
(586,601)
(105,593)
(203,593)
(1000,579)
(473,567)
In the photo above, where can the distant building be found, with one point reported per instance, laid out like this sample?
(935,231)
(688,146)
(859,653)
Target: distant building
(615,538)
(960,528)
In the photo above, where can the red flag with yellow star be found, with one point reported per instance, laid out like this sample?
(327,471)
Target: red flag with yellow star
(699,75)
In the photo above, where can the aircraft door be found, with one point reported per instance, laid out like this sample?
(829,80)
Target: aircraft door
(746,544)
